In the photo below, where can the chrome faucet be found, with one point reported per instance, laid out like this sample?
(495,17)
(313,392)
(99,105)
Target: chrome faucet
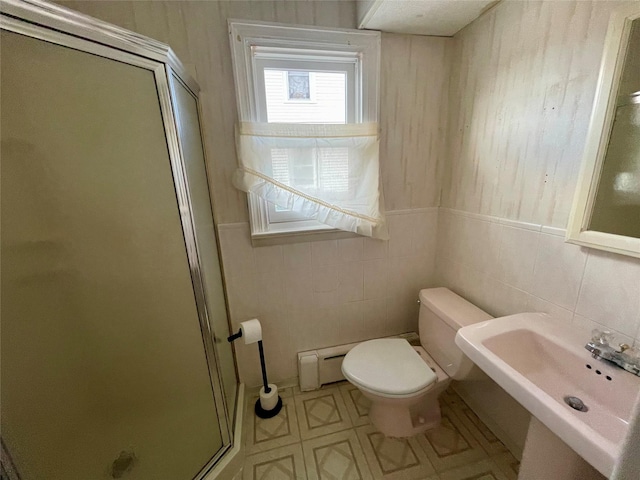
(624,356)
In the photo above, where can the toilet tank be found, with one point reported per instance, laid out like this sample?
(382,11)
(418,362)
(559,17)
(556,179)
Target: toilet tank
(442,313)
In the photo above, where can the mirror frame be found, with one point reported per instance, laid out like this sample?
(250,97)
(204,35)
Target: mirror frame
(600,127)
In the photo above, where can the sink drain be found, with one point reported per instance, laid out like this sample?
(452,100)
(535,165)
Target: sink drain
(576,403)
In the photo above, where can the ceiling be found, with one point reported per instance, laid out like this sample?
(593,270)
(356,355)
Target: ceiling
(420,17)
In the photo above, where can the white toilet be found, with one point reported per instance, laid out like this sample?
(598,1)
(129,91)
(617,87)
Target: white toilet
(404,382)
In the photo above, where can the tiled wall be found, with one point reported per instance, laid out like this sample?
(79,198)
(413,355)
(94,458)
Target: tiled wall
(523,82)
(508,267)
(320,294)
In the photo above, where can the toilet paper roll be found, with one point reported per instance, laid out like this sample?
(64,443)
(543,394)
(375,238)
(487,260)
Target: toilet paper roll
(268,401)
(251,331)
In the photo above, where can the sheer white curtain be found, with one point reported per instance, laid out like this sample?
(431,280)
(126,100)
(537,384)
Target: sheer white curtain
(326,172)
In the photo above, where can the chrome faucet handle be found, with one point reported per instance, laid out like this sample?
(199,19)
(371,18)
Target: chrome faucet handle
(623,347)
(603,337)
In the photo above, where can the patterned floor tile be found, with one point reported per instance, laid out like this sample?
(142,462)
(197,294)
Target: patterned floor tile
(339,443)
(393,458)
(483,470)
(489,442)
(450,444)
(357,404)
(285,463)
(336,457)
(321,412)
(451,398)
(509,465)
(265,434)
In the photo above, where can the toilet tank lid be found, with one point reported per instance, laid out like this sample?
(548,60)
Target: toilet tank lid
(452,308)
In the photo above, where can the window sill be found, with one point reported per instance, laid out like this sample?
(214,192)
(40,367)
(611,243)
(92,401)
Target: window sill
(298,236)
(264,233)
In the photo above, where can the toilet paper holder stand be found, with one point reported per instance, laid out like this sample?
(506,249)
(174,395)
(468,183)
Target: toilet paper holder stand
(262,408)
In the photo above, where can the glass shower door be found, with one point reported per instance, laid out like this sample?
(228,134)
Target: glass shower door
(186,108)
(104,371)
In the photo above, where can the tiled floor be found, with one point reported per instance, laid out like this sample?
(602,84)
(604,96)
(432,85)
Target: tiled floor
(326,435)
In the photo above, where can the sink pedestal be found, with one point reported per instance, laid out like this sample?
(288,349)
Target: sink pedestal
(546,456)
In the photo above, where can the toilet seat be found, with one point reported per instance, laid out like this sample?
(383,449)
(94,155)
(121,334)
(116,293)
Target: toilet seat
(388,367)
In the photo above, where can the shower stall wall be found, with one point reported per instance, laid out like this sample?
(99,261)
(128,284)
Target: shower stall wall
(114,321)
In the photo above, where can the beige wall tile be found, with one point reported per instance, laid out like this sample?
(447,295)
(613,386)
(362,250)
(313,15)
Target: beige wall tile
(504,299)
(350,249)
(518,248)
(269,259)
(610,292)
(424,233)
(400,235)
(374,317)
(558,271)
(350,322)
(298,288)
(376,278)
(373,249)
(297,255)
(536,304)
(350,282)
(541,272)
(324,253)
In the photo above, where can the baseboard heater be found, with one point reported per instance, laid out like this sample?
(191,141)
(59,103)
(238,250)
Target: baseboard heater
(319,367)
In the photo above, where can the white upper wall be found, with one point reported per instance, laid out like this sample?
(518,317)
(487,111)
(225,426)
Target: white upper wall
(522,87)
(413,79)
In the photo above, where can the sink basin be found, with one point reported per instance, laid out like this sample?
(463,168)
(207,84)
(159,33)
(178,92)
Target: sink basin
(540,361)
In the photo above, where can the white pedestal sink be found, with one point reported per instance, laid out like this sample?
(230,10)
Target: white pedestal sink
(540,361)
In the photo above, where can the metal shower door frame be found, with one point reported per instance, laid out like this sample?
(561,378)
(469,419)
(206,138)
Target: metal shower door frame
(58,25)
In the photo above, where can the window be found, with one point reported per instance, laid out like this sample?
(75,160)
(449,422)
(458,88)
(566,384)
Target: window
(307,101)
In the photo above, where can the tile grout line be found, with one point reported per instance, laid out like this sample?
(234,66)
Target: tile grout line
(584,273)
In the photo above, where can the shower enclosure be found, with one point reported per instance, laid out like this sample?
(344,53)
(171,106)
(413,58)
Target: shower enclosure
(115,362)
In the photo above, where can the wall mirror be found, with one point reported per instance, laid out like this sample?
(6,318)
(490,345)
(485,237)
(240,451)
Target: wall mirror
(606,207)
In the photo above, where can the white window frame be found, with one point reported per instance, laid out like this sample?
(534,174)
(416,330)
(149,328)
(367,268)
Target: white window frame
(256,42)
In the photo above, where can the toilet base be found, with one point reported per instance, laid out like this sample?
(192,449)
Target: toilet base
(409,416)
(397,419)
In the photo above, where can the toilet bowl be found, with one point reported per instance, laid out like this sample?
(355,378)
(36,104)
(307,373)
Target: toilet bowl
(404,382)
